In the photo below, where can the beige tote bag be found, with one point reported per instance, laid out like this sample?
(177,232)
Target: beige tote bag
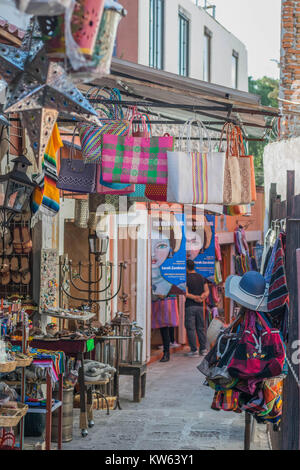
(237,178)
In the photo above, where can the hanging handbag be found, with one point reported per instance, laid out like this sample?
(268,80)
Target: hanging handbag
(112,188)
(139,194)
(164,313)
(195,177)
(214,364)
(259,354)
(237,178)
(91,136)
(141,160)
(157,192)
(227,400)
(251,161)
(74,175)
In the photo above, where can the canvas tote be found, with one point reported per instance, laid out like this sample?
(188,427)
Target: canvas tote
(237,177)
(195,177)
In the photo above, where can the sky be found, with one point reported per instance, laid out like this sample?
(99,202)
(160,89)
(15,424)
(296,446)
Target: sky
(257,24)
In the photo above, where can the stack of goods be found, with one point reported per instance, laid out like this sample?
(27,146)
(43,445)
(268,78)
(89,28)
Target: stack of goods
(95,371)
(246,366)
(15,260)
(105,330)
(42,361)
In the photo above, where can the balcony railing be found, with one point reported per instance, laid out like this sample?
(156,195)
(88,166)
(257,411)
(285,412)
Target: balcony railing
(211,9)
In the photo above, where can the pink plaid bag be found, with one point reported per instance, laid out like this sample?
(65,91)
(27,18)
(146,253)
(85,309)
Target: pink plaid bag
(140,160)
(102,189)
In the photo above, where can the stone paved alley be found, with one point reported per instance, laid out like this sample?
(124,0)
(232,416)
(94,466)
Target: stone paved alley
(175,415)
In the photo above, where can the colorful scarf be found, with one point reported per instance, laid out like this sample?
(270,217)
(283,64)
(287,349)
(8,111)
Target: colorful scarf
(45,200)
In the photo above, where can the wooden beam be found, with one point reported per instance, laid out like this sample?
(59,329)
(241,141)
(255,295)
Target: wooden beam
(10,37)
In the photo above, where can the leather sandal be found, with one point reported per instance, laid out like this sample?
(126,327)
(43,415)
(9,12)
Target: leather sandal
(14,269)
(24,270)
(5,278)
(17,241)
(26,240)
(4,267)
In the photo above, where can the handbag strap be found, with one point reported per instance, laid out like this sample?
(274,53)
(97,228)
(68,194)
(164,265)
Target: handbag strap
(263,322)
(231,139)
(143,122)
(239,141)
(202,131)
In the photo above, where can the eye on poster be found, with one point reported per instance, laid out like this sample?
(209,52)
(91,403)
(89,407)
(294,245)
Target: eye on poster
(168,254)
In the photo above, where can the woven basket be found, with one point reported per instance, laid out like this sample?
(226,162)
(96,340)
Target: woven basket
(8,366)
(81,213)
(24,362)
(10,417)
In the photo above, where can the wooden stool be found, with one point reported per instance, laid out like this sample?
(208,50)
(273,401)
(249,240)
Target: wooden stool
(139,373)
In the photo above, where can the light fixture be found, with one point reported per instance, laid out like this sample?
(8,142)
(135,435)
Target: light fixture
(15,190)
(98,244)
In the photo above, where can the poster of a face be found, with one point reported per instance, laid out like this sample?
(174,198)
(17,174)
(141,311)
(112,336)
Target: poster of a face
(200,244)
(168,255)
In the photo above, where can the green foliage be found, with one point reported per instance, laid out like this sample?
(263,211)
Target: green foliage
(268,89)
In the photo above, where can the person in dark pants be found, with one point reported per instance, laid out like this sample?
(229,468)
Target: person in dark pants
(196,293)
(167,334)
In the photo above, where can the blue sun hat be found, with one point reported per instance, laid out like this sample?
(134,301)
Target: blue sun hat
(250,291)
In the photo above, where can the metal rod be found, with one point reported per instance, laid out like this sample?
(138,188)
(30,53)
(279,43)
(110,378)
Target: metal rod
(89,291)
(159,104)
(92,282)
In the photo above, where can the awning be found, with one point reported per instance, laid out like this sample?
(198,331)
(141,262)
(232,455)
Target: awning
(174,98)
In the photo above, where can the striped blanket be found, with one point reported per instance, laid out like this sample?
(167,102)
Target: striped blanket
(45,200)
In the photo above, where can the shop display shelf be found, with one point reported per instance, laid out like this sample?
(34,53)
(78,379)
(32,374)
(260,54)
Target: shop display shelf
(68,316)
(43,410)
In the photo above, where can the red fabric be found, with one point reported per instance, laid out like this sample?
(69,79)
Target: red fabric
(259,354)
(156,192)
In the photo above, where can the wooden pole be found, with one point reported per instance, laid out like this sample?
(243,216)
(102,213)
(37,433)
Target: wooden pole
(247,435)
(290,418)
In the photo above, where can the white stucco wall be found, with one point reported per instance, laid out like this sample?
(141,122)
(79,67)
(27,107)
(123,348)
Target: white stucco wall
(279,157)
(223,43)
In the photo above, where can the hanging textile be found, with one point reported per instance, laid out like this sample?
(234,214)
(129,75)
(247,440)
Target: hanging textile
(278,291)
(45,200)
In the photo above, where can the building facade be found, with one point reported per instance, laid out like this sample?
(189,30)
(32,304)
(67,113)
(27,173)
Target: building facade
(182,38)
